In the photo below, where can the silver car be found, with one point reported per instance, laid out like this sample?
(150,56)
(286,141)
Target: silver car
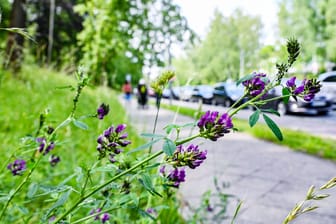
(328,81)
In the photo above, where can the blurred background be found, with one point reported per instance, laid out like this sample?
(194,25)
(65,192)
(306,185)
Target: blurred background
(206,42)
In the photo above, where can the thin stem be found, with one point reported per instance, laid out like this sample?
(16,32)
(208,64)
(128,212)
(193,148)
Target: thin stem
(107,183)
(237,102)
(24,181)
(268,87)
(155,121)
(82,198)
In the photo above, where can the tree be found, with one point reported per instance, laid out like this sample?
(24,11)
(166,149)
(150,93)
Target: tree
(15,40)
(123,37)
(230,48)
(313,23)
(66,25)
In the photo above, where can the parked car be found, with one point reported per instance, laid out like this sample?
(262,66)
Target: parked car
(328,81)
(203,93)
(319,105)
(227,93)
(185,92)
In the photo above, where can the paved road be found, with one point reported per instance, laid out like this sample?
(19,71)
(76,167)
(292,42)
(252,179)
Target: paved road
(269,179)
(324,126)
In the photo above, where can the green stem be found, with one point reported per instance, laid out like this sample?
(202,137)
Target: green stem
(275,98)
(155,122)
(237,102)
(24,181)
(267,88)
(82,198)
(107,183)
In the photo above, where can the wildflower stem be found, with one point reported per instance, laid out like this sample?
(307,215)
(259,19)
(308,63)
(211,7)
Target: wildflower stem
(24,181)
(149,158)
(155,121)
(107,183)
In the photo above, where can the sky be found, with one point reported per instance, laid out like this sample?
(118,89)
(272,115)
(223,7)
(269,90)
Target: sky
(200,12)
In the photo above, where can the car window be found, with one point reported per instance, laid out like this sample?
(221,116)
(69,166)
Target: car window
(330,79)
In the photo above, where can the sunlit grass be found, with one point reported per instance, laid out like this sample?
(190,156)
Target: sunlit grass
(296,140)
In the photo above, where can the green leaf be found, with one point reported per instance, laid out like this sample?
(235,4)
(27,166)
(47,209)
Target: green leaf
(65,122)
(286,95)
(61,201)
(150,135)
(254,118)
(271,111)
(146,181)
(245,78)
(145,146)
(236,211)
(171,127)
(80,124)
(32,190)
(273,126)
(169,147)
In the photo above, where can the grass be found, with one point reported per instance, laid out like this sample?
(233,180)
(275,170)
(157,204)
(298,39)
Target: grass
(23,99)
(296,140)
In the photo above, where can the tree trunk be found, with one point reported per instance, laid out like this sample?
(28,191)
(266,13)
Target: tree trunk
(15,41)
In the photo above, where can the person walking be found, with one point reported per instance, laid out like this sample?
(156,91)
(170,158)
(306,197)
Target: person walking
(127,90)
(142,93)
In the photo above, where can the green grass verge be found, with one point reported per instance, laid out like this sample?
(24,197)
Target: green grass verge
(296,140)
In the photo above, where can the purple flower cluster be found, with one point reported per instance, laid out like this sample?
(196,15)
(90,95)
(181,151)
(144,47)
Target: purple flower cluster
(102,111)
(307,89)
(111,142)
(190,156)
(17,167)
(175,176)
(213,126)
(103,218)
(43,147)
(256,84)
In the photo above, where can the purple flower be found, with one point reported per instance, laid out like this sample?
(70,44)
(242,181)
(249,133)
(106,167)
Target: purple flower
(105,217)
(111,142)
(298,90)
(17,167)
(120,128)
(163,170)
(42,145)
(102,111)
(94,211)
(213,127)
(50,147)
(190,156)
(291,82)
(177,176)
(307,89)
(256,84)
(53,160)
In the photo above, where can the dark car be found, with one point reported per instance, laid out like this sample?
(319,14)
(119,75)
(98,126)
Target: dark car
(319,105)
(202,93)
(227,93)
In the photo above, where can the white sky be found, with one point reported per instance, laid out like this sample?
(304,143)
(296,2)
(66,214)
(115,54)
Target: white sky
(200,12)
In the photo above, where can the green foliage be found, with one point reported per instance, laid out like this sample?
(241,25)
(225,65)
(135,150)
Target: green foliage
(121,37)
(313,23)
(50,188)
(229,50)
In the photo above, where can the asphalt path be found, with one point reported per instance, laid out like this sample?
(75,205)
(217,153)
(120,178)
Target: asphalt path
(321,125)
(269,179)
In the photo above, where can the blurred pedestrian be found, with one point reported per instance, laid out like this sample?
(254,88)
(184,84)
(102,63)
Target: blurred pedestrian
(127,90)
(142,92)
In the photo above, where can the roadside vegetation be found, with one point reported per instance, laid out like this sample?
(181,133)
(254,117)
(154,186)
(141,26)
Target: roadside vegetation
(296,140)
